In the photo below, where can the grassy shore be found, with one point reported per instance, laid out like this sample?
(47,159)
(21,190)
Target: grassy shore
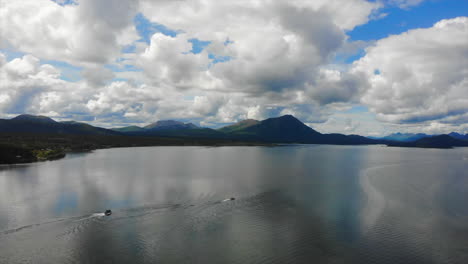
(25,148)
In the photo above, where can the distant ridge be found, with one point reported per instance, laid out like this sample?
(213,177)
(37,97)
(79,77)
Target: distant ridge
(458,136)
(283,129)
(405,137)
(129,129)
(171,128)
(169,125)
(32,124)
(33,118)
(441,141)
(239,125)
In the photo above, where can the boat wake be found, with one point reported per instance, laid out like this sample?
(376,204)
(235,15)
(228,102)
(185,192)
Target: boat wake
(73,219)
(376,201)
(97,215)
(130,212)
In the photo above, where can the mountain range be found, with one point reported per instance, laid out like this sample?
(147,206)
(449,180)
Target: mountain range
(458,136)
(45,125)
(404,137)
(283,129)
(439,141)
(158,126)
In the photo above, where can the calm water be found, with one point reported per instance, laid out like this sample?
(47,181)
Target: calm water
(294,204)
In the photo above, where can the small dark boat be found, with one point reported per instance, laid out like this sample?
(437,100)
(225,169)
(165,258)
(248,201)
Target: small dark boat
(108,212)
(232,199)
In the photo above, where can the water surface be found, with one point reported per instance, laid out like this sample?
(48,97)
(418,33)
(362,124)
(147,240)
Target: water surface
(293,204)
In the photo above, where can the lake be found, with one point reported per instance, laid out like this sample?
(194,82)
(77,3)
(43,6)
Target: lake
(293,204)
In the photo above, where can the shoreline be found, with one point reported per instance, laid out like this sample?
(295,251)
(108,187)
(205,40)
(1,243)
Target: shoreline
(27,151)
(30,148)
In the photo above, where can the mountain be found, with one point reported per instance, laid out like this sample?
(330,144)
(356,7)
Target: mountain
(205,133)
(73,127)
(34,119)
(440,141)
(169,125)
(340,139)
(458,136)
(284,129)
(46,125)
(239,125)
(288,129)
(129,129)
(171,128)
(404,137)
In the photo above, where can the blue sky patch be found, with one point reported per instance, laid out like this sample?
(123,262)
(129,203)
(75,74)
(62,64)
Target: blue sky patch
(361,53)
(11,55)
(146,28)
(198,45)
(346,58)
(399,20)
(357,109)
(218,59)
(65,2)
(68,72)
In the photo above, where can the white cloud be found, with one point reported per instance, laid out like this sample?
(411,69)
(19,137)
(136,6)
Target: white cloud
(420,75)
(331,86)
(23,81)
(276,51)
(167,61)
(92,32)
(275,46)
(280,56)
(97,75)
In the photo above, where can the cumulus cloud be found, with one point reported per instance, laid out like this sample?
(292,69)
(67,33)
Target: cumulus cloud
(333,86)
(97,75)
(28,86)
(263,58)
(23,81)
(274,49)
(273,45)
(89,32)
(420,75)
(167,61)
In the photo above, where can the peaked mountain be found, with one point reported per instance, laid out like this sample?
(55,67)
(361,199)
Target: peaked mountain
(46,125)
(283,129)
(239,125)
(288,129)
(458,136)
(440,141)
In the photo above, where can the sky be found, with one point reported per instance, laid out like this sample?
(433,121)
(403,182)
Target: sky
(340,66)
